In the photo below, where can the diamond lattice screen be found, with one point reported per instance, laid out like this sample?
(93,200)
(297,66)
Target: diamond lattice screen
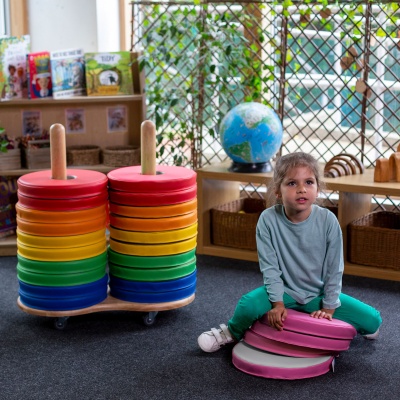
(330,71)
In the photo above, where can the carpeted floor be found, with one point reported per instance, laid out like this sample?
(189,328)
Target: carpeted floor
(113,355)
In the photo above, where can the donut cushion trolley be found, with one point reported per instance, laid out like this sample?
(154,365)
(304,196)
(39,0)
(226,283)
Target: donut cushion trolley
(305,348)
(62,217)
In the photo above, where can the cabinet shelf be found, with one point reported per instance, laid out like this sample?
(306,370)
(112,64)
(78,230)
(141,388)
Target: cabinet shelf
(96,112)
(37,103)
(19,172)
(216,185)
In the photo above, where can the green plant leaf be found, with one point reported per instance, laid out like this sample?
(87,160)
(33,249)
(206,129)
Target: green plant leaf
(380,33)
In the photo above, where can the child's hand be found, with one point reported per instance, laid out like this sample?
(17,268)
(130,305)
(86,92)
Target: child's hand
(277,315)
(323,313)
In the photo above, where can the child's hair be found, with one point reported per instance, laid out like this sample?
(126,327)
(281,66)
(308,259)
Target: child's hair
(285,164)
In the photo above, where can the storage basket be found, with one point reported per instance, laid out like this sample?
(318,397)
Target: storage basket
(83,155)
(11,159)
(121,156)
(234,224)
(374,240)
(37,154)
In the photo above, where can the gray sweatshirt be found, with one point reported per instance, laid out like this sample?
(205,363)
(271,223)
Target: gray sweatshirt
(304,260)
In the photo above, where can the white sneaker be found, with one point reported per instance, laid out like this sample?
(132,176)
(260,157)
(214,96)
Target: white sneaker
(372,336)
(216,338)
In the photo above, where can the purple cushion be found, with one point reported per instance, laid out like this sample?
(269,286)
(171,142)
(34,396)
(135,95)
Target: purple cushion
(285,349)
(303,323)
(301,339)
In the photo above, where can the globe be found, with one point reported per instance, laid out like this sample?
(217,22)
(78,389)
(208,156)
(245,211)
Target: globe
(251,134)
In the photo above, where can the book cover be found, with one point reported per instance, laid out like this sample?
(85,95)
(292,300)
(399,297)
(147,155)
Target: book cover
(109,74)
(13,74)
(39,75)
(68,73)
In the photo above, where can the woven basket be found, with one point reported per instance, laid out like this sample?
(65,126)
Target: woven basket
(374,239)
(121,156)
(234,224)
(83,155)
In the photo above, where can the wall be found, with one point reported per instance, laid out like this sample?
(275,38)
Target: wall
(62,24)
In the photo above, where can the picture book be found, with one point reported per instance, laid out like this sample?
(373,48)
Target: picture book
(39,75)
(109,74)
(68,73)
(13,74)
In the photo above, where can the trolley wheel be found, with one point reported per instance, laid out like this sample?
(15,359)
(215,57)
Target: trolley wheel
(150,318)
(60,323)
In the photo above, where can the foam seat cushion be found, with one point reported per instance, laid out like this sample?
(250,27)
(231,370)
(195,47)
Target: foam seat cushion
(267,365)
(301,322)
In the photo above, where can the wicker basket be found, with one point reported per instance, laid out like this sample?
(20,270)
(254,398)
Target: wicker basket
(374,239)
(83,155)
(234,224)
(121,156)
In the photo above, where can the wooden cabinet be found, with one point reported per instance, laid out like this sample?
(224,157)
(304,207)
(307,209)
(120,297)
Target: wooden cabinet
(96,111)
(216,185)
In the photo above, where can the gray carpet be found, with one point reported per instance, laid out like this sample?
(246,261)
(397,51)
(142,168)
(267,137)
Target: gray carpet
(113,355)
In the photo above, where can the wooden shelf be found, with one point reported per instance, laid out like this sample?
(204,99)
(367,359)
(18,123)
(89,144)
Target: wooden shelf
(8,246)
(216,185)
(96,110)
(19,172)
(71,100)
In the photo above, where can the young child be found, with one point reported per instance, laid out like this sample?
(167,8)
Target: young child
(300,251)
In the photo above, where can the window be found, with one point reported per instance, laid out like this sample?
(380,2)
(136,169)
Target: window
(4,18)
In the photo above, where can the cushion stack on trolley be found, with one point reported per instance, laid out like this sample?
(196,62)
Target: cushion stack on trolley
(62,243)
(153,230)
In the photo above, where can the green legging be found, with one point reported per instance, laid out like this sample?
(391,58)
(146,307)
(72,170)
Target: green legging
(255,304)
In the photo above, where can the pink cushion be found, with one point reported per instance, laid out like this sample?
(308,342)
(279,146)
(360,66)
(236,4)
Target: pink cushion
(285,349)
(267,365)
(303,323)
(300,339)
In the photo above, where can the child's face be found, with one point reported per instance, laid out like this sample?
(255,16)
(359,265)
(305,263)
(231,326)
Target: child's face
(298,192)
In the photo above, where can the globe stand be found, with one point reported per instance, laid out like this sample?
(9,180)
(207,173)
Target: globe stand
(250,167)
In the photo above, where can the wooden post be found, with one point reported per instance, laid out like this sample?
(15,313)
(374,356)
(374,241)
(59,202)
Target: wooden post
(148,148)
(58,157)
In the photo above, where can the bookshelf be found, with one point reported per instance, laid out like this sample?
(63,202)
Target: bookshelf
(53,111)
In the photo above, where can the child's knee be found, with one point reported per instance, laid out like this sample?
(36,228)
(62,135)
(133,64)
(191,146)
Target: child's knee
(372,323)
(255,303)
(246,305)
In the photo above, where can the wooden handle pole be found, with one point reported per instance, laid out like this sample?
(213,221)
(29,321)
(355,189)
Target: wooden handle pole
(148,148)
(58,157)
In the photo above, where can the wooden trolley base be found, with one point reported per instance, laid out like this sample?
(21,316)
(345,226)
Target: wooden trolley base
(109,304)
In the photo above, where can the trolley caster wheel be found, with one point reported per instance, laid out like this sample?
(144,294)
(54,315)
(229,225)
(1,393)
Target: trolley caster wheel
(60,323)
(150,318)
